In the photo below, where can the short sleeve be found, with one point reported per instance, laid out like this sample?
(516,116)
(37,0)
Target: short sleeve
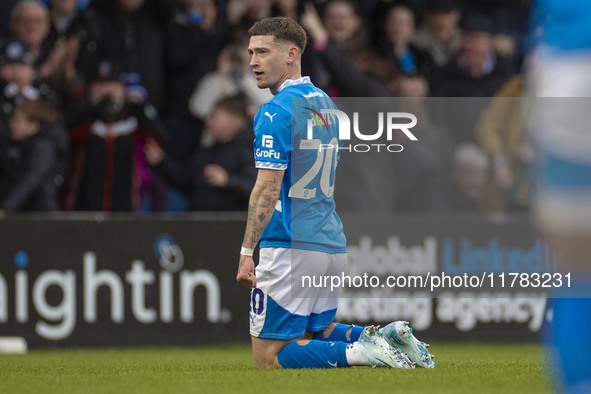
(272,141)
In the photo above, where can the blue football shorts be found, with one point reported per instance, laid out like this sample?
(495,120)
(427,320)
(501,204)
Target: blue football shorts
(284,307)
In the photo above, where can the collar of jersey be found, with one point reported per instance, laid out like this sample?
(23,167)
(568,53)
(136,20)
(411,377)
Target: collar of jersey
(291,82)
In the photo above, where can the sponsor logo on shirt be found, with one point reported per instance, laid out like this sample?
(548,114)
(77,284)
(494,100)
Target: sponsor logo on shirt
(267,141)
(267,153)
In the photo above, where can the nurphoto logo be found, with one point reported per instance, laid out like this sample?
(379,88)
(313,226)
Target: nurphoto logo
(392,122)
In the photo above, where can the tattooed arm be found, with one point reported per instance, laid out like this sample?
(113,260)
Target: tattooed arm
(263,199)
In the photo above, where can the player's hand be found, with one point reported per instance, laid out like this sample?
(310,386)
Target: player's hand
(245,274)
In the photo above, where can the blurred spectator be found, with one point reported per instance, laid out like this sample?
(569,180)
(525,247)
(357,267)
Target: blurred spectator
(195,38)
(242,14)
(504,136)
(396,46)
(288,8)
(233,76)
(475,71)
(221,174)
(18,77)
(109,172)
(415,180)
(344,25)
(511,20)
(54,60)
(422,169)
(29,22)
(134,33)
(18,84)
(339,36)
(77,30)
(469,174)
(347,78)
(28,160)
(440,35)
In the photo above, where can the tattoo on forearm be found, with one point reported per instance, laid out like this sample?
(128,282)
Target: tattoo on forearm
(262,204)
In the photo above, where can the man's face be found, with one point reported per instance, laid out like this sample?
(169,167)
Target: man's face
(443,24)
(400,25)
(101,89)
(476,46)
(341,21)
(31,24)
(269,61)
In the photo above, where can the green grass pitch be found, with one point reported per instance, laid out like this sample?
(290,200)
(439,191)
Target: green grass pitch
(461,368)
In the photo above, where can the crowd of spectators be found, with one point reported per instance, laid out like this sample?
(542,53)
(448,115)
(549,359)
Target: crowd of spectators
(146,105)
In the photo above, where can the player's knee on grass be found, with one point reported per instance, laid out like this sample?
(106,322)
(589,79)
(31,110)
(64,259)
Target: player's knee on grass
(265,352)
(266,361)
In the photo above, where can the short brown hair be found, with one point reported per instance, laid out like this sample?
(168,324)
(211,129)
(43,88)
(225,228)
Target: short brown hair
(234,105)
(283,29)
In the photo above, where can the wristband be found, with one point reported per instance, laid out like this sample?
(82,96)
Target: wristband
(246,251)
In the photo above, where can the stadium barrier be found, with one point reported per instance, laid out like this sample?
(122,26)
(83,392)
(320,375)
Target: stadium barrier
(96,280)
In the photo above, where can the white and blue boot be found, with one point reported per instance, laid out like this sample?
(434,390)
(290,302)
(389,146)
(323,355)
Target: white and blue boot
(378,353)
(399,335)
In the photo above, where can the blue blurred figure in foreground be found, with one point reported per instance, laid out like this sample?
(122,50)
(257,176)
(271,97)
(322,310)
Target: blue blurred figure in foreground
(560,81)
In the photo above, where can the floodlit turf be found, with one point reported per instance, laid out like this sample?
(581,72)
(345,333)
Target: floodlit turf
(461,368)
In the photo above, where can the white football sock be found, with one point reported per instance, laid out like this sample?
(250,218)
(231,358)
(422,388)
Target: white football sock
(354,356)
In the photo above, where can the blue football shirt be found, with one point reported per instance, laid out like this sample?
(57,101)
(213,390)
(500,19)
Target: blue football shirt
(305,215)
(565,24)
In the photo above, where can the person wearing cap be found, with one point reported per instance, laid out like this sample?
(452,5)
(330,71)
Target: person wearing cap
(475,70)
(54,60)
(440,35)
(19,83)
(18,78)
(108,171)
(16,71)
(135,33)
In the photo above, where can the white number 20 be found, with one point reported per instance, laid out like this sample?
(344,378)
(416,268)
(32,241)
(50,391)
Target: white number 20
(326,161)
